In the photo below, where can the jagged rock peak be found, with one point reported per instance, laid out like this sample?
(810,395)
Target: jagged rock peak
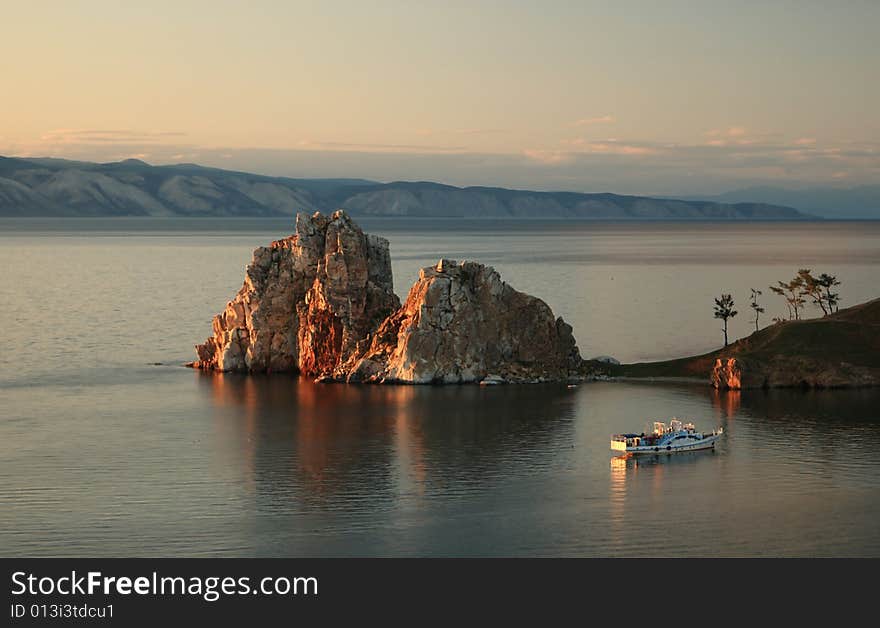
(306,301)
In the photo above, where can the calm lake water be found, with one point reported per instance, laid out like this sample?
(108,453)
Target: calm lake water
(108,447)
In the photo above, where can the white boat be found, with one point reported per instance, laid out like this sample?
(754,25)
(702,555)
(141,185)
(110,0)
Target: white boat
(666,439)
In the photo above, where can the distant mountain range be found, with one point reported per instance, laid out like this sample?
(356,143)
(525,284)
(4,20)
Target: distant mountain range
(57,187)
(856,202)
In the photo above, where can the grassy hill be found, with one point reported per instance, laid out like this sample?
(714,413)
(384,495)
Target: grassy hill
(842,349)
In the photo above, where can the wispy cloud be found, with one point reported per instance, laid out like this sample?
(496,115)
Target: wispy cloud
(591,121)
(549,157)
(354,146)
(621,164)
(610,146)
(424,132)
(734,131)
(738,159)
(739,136)
(108,136)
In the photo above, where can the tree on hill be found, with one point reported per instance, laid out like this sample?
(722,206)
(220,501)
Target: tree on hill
(791,291)
(724,310)
(754,305)
(832,299)
(805,286)
(810,288)
(780,290)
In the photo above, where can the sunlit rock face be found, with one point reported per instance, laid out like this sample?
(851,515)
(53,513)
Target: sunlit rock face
(789,371)
(726,374)
(306,301)
(462,323)
(351,294)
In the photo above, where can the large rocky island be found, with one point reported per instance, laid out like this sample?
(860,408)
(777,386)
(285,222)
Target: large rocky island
(841,350)
(321,302)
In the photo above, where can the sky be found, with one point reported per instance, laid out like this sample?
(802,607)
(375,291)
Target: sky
(632,97)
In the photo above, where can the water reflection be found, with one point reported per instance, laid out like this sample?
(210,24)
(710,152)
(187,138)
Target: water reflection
(726,404)
(854,407)
(653,467)
(401,470)
(643,486)
(320,443)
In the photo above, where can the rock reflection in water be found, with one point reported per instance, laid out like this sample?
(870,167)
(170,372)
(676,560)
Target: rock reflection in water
(322,443)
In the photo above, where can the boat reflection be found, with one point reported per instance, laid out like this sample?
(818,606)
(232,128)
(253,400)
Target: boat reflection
(648,479)
(624,464)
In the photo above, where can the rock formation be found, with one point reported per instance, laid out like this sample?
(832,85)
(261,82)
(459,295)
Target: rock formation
(321,302)
(306,301)
(462,323)
(726,374)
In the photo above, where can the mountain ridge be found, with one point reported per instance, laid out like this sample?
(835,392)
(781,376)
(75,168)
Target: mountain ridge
(62,188)
(853,203)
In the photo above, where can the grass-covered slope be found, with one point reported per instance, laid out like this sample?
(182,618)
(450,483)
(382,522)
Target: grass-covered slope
(837,350)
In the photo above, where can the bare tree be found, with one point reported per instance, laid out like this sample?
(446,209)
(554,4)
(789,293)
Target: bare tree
(724,310)
(754,305)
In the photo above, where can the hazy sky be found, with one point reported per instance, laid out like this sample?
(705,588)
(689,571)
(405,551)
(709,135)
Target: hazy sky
(639,97)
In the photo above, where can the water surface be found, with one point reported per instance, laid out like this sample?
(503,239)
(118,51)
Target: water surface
(108,447)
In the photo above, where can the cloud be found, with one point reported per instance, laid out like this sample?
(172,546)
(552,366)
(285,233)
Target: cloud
(610,146)
(613,164)
(473,132)
(616,148)
(734,131)
(548,157)
(592,121)
(403,148)
(476,131)
(720,164)
(805,141)
(107,136)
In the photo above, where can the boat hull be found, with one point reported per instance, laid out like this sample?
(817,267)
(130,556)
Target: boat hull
(707,442)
